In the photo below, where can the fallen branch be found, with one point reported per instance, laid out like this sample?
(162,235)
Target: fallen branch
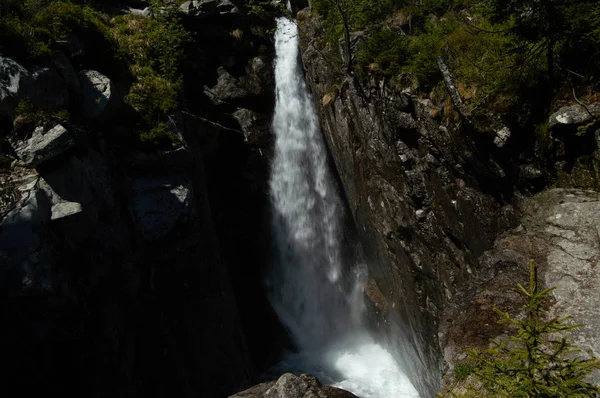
(575,94)
(213,123)
(454,95)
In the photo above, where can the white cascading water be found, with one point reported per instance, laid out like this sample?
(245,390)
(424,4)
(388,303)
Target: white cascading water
(317,298)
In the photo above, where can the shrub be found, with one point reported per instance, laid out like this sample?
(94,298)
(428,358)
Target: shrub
(387,48)
(30,28)
(462,370)
(153,96)
(159,137)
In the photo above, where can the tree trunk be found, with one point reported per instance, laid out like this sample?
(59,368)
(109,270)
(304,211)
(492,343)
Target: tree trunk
(347,42)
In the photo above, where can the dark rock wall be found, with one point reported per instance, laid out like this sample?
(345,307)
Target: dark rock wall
(425,198)
(129,273)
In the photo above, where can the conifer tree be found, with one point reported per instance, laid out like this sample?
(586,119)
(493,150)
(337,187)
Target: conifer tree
(535,361)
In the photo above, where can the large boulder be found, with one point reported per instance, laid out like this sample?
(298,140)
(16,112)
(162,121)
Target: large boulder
(574,115)
(208,7)
(24,266)
(47,89)
(99,95)
(43,86)
(250,90)
(45,145)
(159,204)
(12,78)
(292,386)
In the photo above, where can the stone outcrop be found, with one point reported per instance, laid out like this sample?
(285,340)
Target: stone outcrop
(45,145)
(440,211)
(208,7)
(99,96)
(83,218)
(159,204)
(138,272)
(246,89)
(558,229)
(12,76)
(425,197)
(43,86)
(574,115)
(292,386)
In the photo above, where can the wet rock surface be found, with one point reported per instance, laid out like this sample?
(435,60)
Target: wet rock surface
(292,386)
(427,203)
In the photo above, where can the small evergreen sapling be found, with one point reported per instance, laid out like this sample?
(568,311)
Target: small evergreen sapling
(535,361)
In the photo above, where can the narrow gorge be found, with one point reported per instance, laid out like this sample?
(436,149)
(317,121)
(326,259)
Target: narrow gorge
(227,198)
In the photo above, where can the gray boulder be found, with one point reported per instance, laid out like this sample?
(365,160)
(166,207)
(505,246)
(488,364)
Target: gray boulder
(208,7)
(502,137)
(292,386)
(99,96)
(159,204)
(23,263)
(245,88)
(13,77)
(43,146)
(256,126)
(46,89)
(73,215)
(574,115)
(43,86)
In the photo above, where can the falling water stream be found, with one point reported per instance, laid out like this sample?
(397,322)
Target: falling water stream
(317,297)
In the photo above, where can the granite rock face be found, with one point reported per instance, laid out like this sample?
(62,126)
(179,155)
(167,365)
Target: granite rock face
(559,231)
(45,145)
(428,197)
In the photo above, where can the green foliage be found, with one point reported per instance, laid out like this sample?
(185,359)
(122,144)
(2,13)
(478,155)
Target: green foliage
(536,360)
(427,44)
(28,117)
(502,53)
(30,28)
(588,127)
(25,107)
(155,50)
(462,370)
(261,7)
(385,51)
(159,137)
(153,96)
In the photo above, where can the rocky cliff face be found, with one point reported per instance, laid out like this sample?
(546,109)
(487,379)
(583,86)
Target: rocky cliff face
(137,273)
(429,195)
(558,230)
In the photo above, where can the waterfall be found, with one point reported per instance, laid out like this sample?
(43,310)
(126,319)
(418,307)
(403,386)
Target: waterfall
(316,296)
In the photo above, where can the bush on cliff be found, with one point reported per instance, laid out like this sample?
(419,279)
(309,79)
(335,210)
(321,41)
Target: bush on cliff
(535,361)
(29,29)
(502,52)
